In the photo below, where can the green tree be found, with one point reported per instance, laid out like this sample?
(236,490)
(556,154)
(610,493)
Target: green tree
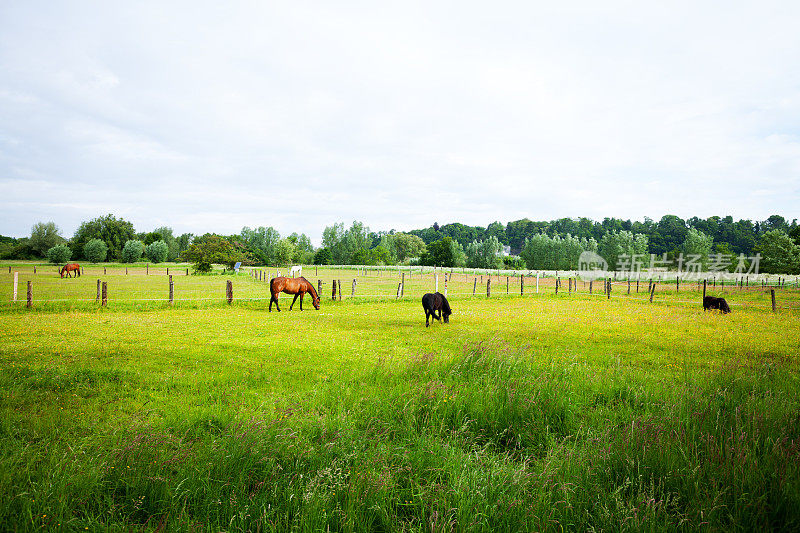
(172,243)
(262,243)
(484,254)
(345,246)
(211,249)
(95,250)
(284,252)
(322,257)
(112,231)
(621,245)
(132,251)
(541,252)
(496,230)
(445,252)
(669,234)
(157,252)
(152,237)
(779,253)
(401,246)
(44,235)
(59,254)
(699,245)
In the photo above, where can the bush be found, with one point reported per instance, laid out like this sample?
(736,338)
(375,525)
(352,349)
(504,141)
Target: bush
(132,251)
(58,254)
(95,250)
(157,251)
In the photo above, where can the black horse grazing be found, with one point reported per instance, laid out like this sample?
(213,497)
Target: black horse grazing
(712,302)
(436,302)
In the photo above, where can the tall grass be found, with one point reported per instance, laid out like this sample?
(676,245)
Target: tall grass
(516,416)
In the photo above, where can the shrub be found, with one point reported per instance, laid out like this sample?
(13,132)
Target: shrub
(58,254)
(157,251)
(95,250)
(132,251)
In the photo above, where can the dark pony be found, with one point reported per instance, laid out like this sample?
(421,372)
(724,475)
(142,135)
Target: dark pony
(436,302)
(297,286)
(712,302)
(70,267)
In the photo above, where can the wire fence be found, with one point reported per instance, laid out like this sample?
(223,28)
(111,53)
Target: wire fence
(42,287)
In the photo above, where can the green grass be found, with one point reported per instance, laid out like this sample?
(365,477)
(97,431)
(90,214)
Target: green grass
(524,413)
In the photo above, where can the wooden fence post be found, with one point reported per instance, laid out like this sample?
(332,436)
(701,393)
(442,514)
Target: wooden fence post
(521,284)
(507,278)
(319,287)
(34,269)
(171,291)
(652,292)
(557,284)
(591,282)
(97,300)
(677,283)
(187,271)
(704,289)
(353,292)
(629,285)
(147,269)
(229,291)
(488,287)
(474,286)
(30,294)
(333,290)
(772,294)
(537,283)
(16,280)
(608,293)
(398,290)
(104,301)
(104,271)
(339,282)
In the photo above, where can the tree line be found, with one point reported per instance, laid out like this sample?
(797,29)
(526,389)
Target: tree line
(520,244)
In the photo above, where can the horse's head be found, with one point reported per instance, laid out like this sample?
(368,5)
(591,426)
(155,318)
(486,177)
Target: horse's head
(315,302)
(61,272)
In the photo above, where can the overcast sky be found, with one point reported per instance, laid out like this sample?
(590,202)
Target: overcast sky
(210,116)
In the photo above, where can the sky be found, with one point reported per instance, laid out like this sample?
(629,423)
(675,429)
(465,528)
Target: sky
(212,116)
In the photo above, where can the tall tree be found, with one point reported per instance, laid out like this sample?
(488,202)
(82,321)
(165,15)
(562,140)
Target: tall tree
(112,231)
(44,235)
(779,253)
(697,247)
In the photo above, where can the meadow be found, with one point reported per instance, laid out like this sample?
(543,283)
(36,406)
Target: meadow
(534,412)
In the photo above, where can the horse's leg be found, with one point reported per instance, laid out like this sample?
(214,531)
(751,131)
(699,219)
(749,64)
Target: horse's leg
(274,299)
(426,318)
(301,300)
(293,301)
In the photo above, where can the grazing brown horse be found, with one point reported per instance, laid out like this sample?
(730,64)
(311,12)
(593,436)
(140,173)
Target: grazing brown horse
(297,286)
(69,268)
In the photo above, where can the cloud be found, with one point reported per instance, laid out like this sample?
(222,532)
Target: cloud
(210,117)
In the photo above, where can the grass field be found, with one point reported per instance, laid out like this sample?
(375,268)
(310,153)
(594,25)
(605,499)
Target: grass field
(536,412)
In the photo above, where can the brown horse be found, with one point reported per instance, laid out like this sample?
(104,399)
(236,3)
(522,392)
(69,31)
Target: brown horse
(69,268)
(297,286)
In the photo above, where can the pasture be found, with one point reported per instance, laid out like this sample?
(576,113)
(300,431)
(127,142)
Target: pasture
(534,412)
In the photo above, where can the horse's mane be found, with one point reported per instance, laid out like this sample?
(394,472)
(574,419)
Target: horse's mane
(445,305)
(313,291)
